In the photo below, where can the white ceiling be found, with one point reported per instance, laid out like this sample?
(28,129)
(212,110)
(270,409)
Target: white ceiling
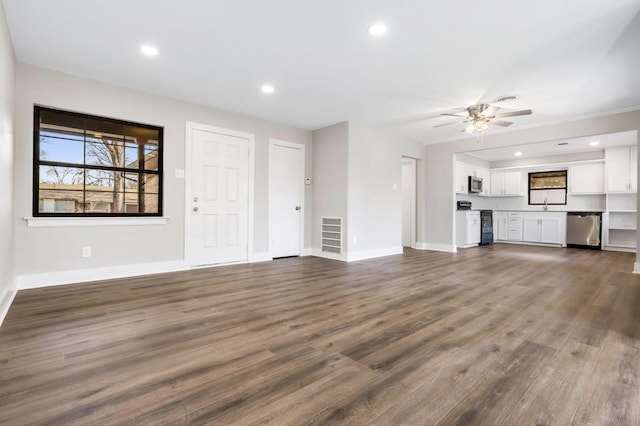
(564,59)
(557,147)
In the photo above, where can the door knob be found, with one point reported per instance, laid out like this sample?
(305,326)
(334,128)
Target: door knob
(195,209)
(298,208)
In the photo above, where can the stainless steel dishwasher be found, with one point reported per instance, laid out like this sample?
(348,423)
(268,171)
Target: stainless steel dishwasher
(583,230)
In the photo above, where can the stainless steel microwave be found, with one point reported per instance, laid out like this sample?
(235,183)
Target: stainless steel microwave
(475,184)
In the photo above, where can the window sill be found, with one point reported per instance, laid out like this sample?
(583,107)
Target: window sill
(53,222)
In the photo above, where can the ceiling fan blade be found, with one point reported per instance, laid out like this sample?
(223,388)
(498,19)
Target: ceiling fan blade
(514,113)
(501,123)
(491,109)
(460,114)
(446,124)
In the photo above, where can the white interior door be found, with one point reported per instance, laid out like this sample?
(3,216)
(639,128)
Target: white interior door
(408,202)
(286,198)
(219,177)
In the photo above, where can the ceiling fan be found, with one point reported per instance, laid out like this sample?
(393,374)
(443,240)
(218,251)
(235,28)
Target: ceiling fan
(479,116)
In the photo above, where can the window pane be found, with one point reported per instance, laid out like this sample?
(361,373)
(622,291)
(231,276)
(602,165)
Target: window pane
(60,201)
(60,147)
(60,119)
(105,180)
(61,177)
(151,183)
(544,180)
(131,182)
(151,157)
(151,203)
(105,128)
(104,202)
(105,152)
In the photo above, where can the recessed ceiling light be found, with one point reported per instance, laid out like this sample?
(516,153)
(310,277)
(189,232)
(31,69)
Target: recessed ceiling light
(594,143)
(518,154)
(377,29)
(267,88)
(149,50)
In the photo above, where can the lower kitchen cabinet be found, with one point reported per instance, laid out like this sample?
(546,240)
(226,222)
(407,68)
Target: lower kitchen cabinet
(500,226)
(530,227)
(541,230)
(467,228)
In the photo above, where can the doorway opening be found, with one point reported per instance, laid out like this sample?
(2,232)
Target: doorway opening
(409,195)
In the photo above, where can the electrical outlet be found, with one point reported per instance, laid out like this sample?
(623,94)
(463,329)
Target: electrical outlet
(355,241)
(86,251)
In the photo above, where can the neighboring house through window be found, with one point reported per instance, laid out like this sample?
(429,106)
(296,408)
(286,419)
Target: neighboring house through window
(548,188)
(94,166)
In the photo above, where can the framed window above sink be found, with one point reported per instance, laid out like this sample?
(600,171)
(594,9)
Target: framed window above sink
(548,188)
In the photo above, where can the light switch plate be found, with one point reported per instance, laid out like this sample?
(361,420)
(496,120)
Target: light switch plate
(180,173)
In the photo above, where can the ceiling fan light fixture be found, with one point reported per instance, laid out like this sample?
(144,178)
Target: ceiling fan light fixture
(470,128)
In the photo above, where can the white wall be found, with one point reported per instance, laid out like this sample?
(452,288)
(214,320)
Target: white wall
(355,170)
(439,171)
(330,179)
(43,250)
(7,117)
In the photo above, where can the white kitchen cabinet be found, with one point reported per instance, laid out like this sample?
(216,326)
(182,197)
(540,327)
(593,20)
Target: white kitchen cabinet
(486,181)
(586,178)
(506,183)
(622,169)
(462,177)
(514,226)
(500,226)
(464,170)
(541,230)
(530,227)
(467,228)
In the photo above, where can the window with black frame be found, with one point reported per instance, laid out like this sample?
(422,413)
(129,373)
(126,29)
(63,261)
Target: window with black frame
(548,188)
(86,165)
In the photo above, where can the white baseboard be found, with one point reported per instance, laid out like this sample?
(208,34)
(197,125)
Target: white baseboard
(307,251)
(357,255)
(372,254)
(6,299)
(449,248)
(636,267)
(333,256)
(260,257)
(83,275)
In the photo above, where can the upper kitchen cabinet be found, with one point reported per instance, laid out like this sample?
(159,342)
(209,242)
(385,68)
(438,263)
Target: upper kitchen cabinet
(464,170)
(586,178)
(486,181)
(622,169)
(506,183)
(462,174)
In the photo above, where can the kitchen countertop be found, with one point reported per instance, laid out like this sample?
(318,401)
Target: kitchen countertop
(549,211)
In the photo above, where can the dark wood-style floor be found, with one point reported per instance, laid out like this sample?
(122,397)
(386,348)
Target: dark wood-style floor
(504,334)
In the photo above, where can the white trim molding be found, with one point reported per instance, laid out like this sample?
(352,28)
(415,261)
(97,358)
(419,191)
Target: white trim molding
(372,254)
(636,267)
(449,248)
(6,299)
(327,255)
(52,222)
(48,279)
(260,257)
(306,251)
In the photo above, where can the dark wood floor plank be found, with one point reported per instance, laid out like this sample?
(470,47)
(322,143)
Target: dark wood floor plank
(501,334)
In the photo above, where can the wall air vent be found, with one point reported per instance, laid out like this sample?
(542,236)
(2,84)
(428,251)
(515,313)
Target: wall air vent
(331,236)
